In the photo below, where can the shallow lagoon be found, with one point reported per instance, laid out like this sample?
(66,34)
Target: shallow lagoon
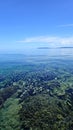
(36,90)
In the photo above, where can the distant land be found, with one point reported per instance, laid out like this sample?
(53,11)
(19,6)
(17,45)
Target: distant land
(43,48)
(65,47)
(55,48)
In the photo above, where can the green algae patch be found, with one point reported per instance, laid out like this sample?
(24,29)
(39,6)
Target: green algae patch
(9,115)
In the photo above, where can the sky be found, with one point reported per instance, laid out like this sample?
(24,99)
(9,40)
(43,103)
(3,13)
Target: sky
(26,24)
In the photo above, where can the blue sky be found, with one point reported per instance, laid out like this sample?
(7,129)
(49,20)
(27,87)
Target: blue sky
(31,23)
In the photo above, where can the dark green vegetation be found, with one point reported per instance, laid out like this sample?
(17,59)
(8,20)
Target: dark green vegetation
(36,96)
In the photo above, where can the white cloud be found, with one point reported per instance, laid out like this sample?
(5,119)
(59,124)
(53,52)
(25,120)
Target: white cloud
(39,39)
(56,41)
(65,25)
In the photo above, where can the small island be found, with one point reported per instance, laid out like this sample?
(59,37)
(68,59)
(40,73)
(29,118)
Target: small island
(43,48)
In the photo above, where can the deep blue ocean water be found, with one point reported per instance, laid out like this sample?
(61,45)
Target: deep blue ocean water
(39,54)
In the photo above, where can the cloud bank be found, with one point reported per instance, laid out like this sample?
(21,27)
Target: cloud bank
(56,41)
